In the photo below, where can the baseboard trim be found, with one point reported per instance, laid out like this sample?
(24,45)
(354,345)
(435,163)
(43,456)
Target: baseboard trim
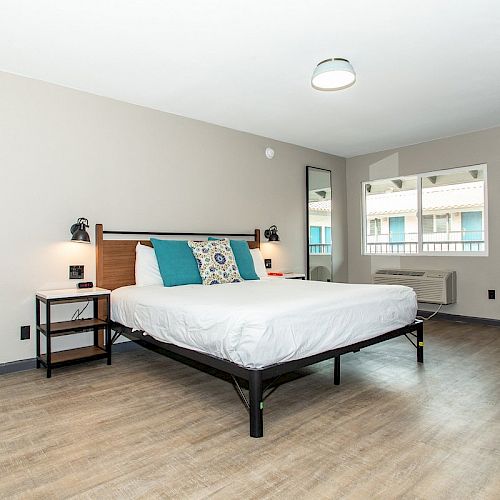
(461,319)
(17,366)
(29,364)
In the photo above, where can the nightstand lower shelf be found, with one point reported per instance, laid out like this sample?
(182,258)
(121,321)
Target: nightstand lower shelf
(71,355)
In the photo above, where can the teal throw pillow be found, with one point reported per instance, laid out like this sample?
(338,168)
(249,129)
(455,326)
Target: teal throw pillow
(177,263)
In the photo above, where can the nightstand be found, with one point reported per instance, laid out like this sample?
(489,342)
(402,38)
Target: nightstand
(55,329)
(291,276)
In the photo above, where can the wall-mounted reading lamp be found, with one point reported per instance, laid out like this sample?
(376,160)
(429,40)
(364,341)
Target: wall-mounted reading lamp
(79,231)
(272,234)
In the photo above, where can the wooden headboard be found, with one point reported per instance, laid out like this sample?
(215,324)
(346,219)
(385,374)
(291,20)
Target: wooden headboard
(115,259)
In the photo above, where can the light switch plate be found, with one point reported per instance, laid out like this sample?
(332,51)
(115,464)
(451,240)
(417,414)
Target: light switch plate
(76,273)
(267,263)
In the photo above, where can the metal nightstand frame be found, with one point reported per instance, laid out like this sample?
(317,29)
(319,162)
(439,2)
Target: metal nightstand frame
(55,329)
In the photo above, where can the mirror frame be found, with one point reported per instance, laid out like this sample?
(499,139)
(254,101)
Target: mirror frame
(308,167)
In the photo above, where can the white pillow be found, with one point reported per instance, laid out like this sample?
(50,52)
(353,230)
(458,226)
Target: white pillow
(147,271)
(258,263)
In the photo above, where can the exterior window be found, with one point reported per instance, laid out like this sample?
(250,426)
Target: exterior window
(375,227)
(441,223)
(428,223)
(435,223)
(436,213)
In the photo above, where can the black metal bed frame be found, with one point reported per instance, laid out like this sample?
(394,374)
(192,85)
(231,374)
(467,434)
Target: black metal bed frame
(255,377)
(258,392)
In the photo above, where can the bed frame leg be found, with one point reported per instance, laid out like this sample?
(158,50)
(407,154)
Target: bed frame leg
(256,404)
(336,370)
(420,342)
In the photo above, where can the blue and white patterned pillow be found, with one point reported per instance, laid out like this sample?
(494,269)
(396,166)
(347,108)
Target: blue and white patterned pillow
(215,261)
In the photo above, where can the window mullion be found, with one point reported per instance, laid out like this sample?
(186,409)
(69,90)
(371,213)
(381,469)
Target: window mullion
(420,245)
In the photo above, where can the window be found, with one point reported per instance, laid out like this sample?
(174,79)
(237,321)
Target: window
(375,226)
(441,223)
(428,223)
(436,223)
(436,213)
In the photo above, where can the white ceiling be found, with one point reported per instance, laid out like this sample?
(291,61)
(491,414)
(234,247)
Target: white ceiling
(426,68)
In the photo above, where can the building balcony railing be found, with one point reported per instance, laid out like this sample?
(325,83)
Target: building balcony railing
(320,248)
(407,243)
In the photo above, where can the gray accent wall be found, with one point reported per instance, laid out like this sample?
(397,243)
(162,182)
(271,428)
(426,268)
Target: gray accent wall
(475,275)
(66,154)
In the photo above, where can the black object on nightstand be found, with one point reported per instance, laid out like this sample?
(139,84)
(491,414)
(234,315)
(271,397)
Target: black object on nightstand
(55,329)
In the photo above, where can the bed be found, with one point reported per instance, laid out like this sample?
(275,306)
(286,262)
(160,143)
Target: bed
(256,330)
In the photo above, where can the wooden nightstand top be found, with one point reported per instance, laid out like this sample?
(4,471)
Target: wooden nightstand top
(71,293)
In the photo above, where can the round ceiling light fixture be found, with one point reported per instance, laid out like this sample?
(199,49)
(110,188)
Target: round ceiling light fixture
(333,74)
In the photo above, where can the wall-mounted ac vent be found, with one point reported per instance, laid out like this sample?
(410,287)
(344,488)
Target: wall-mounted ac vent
(433,287)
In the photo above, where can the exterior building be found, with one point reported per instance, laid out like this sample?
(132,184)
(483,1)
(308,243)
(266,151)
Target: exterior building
(320,227)
(320,239)
(452,220)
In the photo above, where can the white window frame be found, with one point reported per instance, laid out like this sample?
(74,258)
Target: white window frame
(419,177)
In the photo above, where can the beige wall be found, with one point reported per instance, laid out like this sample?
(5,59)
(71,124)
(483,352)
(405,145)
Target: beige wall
(66,154)
(475,274)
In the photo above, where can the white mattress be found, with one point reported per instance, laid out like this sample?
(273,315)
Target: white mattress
(260,323)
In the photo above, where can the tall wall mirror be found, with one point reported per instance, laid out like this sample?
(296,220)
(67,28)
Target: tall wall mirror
(319,224)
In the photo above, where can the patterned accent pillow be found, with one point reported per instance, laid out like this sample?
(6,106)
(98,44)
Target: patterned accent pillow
(216,262)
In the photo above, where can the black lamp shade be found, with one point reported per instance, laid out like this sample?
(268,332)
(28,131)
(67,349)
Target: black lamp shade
(79,231)
(272,234)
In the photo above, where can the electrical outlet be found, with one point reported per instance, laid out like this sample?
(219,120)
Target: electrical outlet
(76,273)
(267,263)
(491,294)
(25,332)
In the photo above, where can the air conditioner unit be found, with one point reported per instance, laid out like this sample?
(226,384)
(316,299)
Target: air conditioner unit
(434,287)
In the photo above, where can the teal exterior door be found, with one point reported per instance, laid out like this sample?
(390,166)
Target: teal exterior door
(472,226)
(328,239)
(315,239)
(397,229)
(472,230)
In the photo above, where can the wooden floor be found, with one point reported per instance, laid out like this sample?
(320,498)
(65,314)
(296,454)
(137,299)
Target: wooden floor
(150,427)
